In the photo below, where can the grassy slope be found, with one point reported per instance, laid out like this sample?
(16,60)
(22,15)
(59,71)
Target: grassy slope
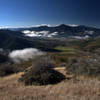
(85,89)
(86,45)
(82,89)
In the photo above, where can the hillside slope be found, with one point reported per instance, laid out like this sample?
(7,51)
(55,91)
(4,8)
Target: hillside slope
(83,89)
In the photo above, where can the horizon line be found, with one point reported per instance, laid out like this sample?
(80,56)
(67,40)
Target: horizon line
(49,25)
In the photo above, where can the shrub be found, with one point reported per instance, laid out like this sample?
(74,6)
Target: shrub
(8,69)
(42,73)
(81,66)
(3,58)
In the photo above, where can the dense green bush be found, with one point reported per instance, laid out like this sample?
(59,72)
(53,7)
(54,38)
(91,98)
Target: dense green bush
(42,73)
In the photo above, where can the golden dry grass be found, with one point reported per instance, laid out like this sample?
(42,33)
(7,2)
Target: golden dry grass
(83,89)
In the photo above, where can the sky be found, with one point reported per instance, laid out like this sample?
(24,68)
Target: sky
(16,13)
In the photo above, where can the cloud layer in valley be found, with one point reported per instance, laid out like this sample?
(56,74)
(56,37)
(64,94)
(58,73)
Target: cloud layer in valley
(24,54)
(39,33)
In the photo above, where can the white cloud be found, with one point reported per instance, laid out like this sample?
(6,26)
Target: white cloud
(73,25)
(52,34)
(26,31)
(35,34)
(43,25)
(1,50)
(89,32)
(39,33)
(24,54)
(81,37)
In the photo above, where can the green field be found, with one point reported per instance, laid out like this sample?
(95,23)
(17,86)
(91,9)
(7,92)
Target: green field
(66,50)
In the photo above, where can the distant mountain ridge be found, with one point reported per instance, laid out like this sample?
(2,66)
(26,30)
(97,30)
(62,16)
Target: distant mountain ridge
(65,31)
(15,40)
(44,37)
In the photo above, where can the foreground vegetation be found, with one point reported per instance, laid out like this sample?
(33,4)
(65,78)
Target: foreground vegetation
(71,73)
(42,73)
(83,88)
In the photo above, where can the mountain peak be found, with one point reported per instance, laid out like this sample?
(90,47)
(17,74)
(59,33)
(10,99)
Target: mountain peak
(62,25)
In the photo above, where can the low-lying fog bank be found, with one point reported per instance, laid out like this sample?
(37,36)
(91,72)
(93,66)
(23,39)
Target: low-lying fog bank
(24,54)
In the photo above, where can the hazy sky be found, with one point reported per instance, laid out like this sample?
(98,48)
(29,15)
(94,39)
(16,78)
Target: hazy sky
(34,12)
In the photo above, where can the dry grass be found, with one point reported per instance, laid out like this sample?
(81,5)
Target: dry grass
(83,89)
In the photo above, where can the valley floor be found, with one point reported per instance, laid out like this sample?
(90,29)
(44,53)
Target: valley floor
(83,89)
